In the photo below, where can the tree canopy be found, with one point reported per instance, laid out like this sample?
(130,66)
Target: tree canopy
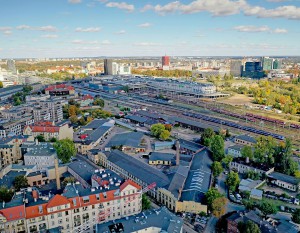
(211,195)
(232,181)
(6,194)
(296,216)
(216,168)
(217,148)
(99,102)
(160,131)
(248,227)
(267,207)
(65,149)
(219,206)
(207,137)
(20,182)
(146,204)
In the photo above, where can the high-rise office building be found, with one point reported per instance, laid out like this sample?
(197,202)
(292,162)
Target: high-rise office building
(165,61)
(267,63)
(11,65)
(108,66)
(236,68)
(253,69)
(277,64)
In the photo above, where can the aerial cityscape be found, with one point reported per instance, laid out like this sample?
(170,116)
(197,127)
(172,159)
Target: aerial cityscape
(150,116)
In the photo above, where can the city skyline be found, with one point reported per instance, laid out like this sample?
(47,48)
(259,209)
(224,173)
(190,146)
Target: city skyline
(90,28)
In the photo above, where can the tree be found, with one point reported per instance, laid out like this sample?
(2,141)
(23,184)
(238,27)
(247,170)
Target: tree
(99,102)
(211,195)
(232,181)
(72,110)
(157,129)
(227,160)
(164,135)
(1,84)
(267,208)
(248,227)
(253,175)
(296,216)
(27,88)
(207,136)
(53,140)
(168,127)
(20,182)
(264,150)
(247,152)
(69,180)
(146,204)
(219,206)
(216,168)
(40,138)
(65,149)
(217,148)
(5,194)
(74,119)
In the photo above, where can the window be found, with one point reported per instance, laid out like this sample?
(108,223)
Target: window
(59,214)
(52,216)
(66,213)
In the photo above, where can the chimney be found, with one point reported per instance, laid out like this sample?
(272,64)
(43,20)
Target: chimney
(177,153)
(57,174)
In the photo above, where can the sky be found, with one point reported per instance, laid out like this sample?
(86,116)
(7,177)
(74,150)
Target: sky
(93,28)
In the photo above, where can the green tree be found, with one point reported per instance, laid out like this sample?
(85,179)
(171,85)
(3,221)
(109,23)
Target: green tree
(264,150)
(40,138)
(164,135)
(72,110)
(126,89)
(99,102)
(296,216)
(146,204)
(27,88)
(227,160)
(65,149)
(216,168)
(74,119)
(247,152)
(232,181)
(217,148)
(249,204)
(5,194)
(1,84)
(20,182)
(267,208)
(67,180)
(207,137)
(219,206)
(253,175)
(53,140)
(157,129)
(248,227)
(211,195)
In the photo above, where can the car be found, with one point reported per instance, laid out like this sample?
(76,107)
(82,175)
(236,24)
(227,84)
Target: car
(231,196)
(216,186)
(226,172)
(238,196)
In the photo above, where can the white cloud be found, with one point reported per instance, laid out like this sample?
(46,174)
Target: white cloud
(47,28)
(7,32)
(74,1)
(215,7)
(145,25)
(84,42)
(146,44)
(106,42)
(288,12)
(121,5)
(49,36)
(90,29)
(280,31)
(251,28)
(3,29)
(121,32)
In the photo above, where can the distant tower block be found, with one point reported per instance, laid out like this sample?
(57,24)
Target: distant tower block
(177,153)
(165,61)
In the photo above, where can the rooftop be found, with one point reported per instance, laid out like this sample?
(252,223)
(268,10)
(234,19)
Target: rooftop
(160,218)
(285,178)
(138,169)
(132,139)
(41,149)
(161,156)
(246,138)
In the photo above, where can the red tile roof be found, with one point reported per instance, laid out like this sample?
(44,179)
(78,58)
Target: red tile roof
(129,182)
(33,211)
(13,213)
(57,200)
(45,129)
(59,86)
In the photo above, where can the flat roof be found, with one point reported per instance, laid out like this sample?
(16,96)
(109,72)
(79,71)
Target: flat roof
(160,218)
(285,178)
(161,156)
(132,139)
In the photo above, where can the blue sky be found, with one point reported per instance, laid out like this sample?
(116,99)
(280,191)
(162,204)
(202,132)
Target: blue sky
(68,28)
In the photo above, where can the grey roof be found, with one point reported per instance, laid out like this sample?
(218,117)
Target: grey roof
(246,138)
(82,169)
(42,149)
(178,180)
(285,178)
(94,124)
(149,114)
(248,184)
(190,145)
(138,169)
(136,118)
(161,156)
(159,218)
(256,192)
(132,139)
(198,180)
(8,179)
(236,147)
(193,123)
(98,133)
